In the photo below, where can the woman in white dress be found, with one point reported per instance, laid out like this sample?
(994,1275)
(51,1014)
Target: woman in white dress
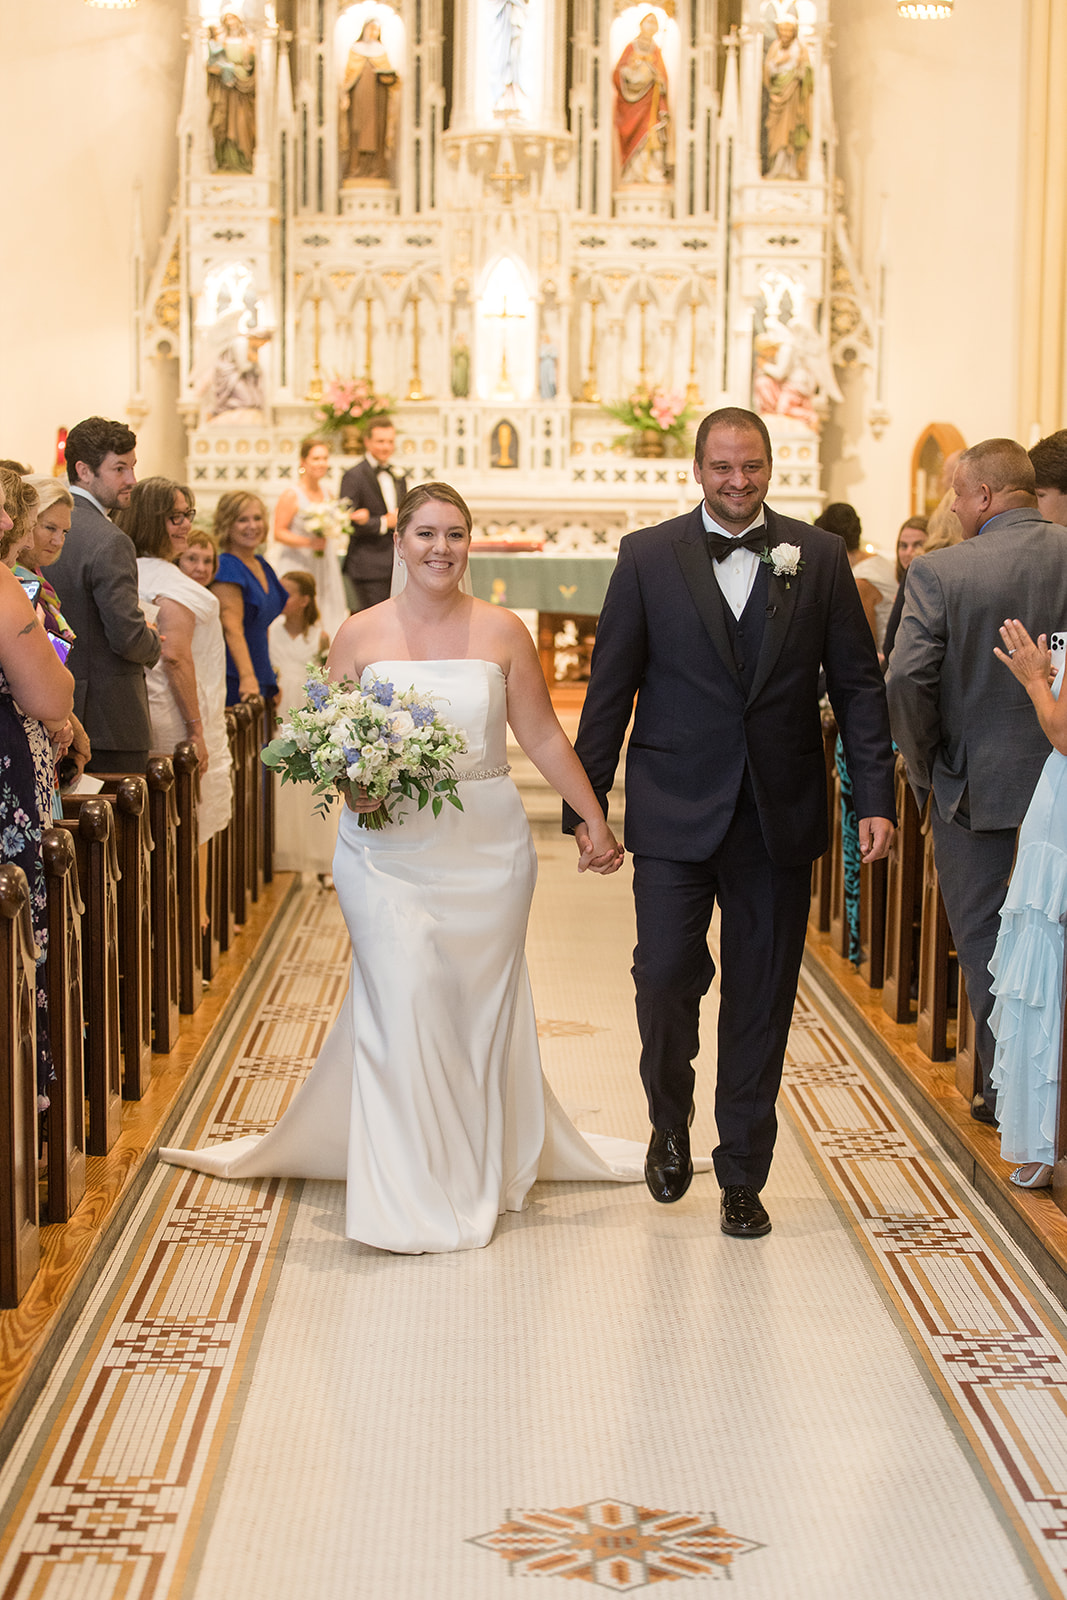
(301,548)
(1027,964)
(428,1097)
(304,840)
(187,686)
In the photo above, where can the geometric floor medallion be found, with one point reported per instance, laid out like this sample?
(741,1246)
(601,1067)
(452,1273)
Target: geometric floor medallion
(615,1545)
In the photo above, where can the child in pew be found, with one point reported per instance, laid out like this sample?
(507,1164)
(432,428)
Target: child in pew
(304,840)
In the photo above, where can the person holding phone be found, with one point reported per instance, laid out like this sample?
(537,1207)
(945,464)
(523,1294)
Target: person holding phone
(1027,963)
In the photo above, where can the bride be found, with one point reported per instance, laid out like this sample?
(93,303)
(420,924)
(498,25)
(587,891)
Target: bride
(428,1097)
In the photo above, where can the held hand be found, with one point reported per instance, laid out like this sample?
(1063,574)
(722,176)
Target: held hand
(876,838)
(62,740)
(361,516)
(390,520)
(196,739)
(1030,663)
(247,686)
(599,850)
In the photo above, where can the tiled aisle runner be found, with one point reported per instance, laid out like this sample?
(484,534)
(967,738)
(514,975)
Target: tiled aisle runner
(997,1357)
(112,1491)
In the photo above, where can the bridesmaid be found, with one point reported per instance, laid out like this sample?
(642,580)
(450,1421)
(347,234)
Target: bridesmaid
(314,554)
(305,841)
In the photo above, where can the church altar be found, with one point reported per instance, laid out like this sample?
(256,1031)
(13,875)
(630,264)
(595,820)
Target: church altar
(502,216)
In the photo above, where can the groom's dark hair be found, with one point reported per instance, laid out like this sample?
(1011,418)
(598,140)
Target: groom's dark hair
(732,417)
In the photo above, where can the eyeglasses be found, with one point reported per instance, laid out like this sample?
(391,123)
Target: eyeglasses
(176,517)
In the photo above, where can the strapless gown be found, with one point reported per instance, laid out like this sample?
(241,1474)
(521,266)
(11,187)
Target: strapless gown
(428,1097)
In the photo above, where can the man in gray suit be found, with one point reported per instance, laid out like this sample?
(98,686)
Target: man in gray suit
(96,580)
(965,727)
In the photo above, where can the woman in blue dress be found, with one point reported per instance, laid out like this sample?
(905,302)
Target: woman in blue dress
(250,596)
(1027,964)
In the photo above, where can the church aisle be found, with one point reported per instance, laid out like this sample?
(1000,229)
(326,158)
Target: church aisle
(872,1401)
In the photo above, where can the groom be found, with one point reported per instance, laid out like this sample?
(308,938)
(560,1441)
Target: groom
(718,621)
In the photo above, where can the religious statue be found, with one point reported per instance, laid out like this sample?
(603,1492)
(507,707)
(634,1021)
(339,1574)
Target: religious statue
(231,93)
(547,363)
(787,83)
(461,368)
(792,372)
(507,88)
(368,119)
(642,121)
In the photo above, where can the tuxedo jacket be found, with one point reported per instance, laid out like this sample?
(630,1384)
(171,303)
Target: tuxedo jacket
(370,549)
(95,577)
(965,727)
(664,637)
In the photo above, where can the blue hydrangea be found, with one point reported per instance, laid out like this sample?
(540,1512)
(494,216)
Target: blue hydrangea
(351,753)
(383,693)
(422,716)
(317,693)
(390,736)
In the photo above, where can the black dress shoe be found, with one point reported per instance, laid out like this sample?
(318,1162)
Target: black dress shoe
(982,1111)
(741,1212)
(668,1165)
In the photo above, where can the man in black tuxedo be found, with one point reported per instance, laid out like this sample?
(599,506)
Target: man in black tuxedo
(375,491)
(95,576)
(719,621)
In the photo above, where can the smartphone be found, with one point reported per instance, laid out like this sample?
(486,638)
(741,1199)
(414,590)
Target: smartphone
(1058,647)
(61,647)
(32,587)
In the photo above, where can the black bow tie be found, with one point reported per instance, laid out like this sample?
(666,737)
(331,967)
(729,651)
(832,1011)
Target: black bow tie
(720,545)
(383,468)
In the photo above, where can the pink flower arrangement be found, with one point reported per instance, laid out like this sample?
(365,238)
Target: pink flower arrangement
(349,402)
(656,411)
(666,408)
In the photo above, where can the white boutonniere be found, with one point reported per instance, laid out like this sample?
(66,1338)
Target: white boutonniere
(784,561)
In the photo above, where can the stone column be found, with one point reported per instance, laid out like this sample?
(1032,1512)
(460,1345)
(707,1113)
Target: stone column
(1043,358)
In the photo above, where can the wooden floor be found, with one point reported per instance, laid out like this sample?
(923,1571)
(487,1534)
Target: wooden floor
(72,1254)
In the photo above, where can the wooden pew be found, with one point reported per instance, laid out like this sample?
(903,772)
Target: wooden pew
(236,721)
(65,1118)
(873,890)
(935,950)
(822,870)
(93,835)
(190,937)
(128,793)
(966,1055)
(248,720)
(269,780)
(903,903)
(163,821)
(20,1239)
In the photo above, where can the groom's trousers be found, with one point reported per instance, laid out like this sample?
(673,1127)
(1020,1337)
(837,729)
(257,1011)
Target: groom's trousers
(763,911)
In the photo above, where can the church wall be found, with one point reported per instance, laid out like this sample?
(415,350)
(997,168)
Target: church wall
(930,116)
(91,101)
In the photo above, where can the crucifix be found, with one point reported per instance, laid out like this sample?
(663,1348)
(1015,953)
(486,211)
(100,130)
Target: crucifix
(505,316)
(643,373)
(589,388)
(692,388)
(508,179)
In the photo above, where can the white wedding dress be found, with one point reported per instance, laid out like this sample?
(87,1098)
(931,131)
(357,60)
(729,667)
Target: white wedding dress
(428,1097)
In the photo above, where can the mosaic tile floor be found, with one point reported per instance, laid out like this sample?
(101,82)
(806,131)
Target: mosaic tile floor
(868,1403)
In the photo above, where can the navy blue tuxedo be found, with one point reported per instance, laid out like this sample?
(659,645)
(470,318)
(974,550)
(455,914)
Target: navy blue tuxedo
(726,795)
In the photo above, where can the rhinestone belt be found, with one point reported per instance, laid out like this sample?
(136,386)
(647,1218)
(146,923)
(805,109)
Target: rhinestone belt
(487,772)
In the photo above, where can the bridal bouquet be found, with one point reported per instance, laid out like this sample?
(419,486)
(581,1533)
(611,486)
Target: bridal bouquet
(331,521)
(374,741)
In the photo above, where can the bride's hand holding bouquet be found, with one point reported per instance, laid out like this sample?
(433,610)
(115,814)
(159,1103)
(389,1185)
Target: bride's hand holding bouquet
(373,745)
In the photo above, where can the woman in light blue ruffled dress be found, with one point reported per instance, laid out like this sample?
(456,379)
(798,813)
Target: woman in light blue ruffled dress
(1028,962)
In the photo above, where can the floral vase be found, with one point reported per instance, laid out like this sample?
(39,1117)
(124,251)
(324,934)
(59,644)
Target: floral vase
(650,443)
(352,440)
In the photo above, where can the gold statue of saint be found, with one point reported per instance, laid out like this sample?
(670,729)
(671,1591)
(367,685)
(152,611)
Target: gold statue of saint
(369,99)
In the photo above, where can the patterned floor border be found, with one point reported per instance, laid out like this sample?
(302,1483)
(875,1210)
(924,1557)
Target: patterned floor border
(109,1491)
(105,1493)
(996,1354)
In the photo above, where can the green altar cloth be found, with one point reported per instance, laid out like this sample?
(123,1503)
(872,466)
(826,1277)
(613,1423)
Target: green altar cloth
(536,582)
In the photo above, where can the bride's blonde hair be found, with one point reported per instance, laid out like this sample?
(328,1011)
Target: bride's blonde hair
(422,494)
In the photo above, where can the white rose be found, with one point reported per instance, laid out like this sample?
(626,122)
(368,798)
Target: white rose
(403,724)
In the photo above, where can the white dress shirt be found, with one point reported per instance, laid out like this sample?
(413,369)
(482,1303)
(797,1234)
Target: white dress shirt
(387,485)
(735,574)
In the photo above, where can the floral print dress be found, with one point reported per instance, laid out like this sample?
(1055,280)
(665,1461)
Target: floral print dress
(25,811)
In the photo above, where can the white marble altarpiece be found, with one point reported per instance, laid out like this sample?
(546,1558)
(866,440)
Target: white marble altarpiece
(504,214)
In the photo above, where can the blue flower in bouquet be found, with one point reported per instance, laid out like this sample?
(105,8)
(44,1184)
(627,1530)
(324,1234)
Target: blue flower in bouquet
(422,716)
(317,692)
(382,692)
